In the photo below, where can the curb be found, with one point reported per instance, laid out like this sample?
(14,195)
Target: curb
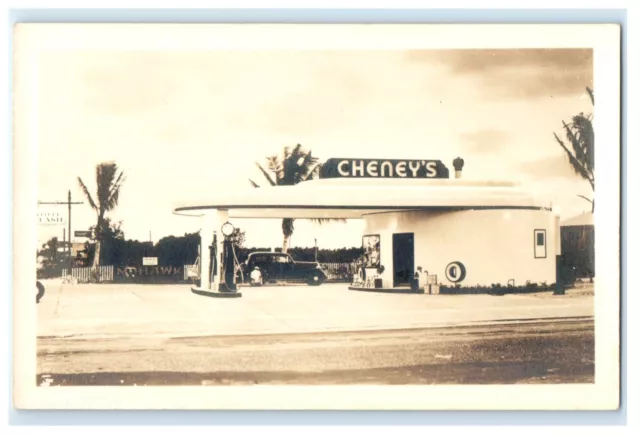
(387,291)
(217,294)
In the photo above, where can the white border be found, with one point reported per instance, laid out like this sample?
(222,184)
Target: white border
(32,40)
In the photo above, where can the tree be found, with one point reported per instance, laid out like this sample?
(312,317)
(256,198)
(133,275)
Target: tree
(294,166)
(579,134)
(53,260)
(113,249)
(237,238)
(178,251)
(108,183)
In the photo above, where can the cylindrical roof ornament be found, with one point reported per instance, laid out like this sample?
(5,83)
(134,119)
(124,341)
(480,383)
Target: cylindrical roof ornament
(458,164)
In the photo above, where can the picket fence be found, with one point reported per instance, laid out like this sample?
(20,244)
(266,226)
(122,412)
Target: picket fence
(84,274)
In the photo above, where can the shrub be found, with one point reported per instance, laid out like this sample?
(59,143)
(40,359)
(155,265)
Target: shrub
(496,289)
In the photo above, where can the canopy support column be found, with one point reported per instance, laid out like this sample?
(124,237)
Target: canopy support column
(206,240)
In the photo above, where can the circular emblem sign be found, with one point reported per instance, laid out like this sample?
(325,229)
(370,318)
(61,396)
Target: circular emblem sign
(455,272)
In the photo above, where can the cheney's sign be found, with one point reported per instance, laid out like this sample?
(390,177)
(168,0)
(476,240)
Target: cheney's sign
(368,168)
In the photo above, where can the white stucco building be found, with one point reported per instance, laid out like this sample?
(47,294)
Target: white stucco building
(460,231)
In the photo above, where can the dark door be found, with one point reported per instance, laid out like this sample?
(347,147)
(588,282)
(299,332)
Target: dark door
(281,267)
(402,259)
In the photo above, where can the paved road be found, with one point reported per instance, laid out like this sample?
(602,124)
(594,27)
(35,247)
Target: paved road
(131,311)
(549,351)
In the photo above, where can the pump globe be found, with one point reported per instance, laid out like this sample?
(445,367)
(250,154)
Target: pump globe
(227,229)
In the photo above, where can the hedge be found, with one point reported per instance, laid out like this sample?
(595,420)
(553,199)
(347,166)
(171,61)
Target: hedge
(497,289)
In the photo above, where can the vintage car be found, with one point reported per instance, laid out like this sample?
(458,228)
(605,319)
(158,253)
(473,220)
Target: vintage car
(264,267)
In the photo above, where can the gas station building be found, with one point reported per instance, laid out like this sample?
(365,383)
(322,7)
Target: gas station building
(462,232)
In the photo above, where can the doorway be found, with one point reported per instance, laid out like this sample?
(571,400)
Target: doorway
(403,260)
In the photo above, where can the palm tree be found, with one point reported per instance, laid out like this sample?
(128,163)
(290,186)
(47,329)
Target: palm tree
(580,135)
(295,165)
(108,182)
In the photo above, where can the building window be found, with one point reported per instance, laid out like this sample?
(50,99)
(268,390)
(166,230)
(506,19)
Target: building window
(540,243)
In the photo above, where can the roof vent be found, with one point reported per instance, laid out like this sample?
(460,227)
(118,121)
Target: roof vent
(458,164)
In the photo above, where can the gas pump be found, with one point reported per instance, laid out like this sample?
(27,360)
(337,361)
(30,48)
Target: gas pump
(221,267)
(227,272)
(213,261)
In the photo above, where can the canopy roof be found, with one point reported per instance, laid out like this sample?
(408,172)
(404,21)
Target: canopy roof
(354,198)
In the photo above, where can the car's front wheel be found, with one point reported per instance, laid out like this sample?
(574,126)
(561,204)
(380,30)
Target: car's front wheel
(315,278)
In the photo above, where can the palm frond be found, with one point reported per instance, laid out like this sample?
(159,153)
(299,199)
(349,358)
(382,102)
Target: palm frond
(105,176)
(582,127)
(289,170)
(575,163)
(273,163)
(313,173)
(308,165)
(297,151)
(112,202)
(322,221)
(291,167)
(590,92)
(286,153)
(254,184)
(85,190)
(117,183)
(266,175)
(575,143)
(114,193)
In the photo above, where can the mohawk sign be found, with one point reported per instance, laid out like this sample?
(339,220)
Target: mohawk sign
(369,168)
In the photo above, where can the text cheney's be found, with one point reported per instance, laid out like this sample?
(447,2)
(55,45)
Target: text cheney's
(363,168)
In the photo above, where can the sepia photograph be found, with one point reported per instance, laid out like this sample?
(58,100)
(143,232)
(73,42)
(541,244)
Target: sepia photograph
(294,214)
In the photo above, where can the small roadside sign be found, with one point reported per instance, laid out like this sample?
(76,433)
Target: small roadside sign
(150,260)
(85,234)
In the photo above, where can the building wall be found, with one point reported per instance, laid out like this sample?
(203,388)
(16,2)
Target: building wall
(578,250)
(494,245)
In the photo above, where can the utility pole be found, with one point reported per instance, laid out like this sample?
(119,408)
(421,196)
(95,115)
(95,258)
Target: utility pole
(69,203)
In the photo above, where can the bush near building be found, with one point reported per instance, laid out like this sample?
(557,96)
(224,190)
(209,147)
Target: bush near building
(498,289)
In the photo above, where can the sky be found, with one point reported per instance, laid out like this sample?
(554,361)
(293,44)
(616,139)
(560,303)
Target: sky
(182,124)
